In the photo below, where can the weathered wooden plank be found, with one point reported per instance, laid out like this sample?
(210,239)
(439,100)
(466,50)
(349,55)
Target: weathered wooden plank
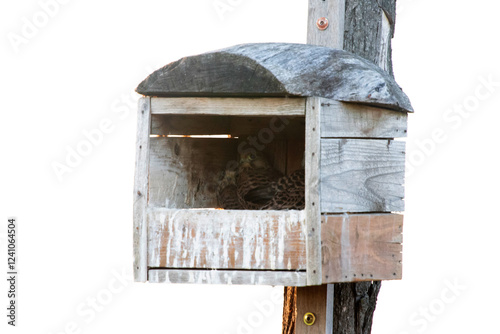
(361,247)
(312,299)
(312,195)
(229,106)
(334,12)
(188,125)
(361,175)
(246,277)
(227,239)
(185,172)
(277,69)
(141,190)
(350,120)
(264,129)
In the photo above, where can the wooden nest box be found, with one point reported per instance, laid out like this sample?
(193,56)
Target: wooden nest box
(335,111)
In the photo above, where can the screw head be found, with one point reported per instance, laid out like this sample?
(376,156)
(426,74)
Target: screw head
(309,318)
(322,23)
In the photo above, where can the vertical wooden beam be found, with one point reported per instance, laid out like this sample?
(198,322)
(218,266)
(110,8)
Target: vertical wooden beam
(334,12)
(312,207)
(317,300)
(141,190)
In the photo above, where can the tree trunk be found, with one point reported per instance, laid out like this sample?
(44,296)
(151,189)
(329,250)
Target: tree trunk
(368,29)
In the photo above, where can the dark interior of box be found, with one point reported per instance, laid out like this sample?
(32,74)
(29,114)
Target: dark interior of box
(189,154)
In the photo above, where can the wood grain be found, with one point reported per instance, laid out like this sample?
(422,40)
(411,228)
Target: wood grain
(361,247)
(366,33)
(246,277)
(312,299)
(359,175)
(266,128)
(227,239)
(141,190)
(334,11)
(350,120)
(229,106)
(185,172)
(312,195)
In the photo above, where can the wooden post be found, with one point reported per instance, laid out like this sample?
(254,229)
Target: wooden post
(141,190)
(364,27)
(312,198)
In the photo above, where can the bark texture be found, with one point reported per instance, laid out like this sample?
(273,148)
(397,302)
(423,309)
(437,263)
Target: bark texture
(363,28)
(354,304)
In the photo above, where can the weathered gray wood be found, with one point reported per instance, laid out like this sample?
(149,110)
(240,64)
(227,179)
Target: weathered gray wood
(366,34)
(278,69)
(227,239)
(359,175)
(229,106)
(333,11)
(189,125)
(312,195)
(185,172)
(361,247)
(141,190)
(245,277)
(350,120)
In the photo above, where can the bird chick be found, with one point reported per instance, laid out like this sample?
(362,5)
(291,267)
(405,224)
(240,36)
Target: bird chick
(255,181)
(227,197)
(289,192)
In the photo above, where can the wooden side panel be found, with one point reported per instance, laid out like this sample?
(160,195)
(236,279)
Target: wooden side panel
(227,239)
(334,11)
(312,195)
(361,247)
(229,106)
(141,190)
(340,119)
(184,172)
(246,277)
(359,175)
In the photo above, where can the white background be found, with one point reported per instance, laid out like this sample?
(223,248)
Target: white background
(80,67)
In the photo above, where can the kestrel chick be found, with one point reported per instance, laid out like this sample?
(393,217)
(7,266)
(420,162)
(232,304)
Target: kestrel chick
(227,197)
(255,181)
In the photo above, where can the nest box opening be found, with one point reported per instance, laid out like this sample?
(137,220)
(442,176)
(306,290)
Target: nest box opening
(190,154)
